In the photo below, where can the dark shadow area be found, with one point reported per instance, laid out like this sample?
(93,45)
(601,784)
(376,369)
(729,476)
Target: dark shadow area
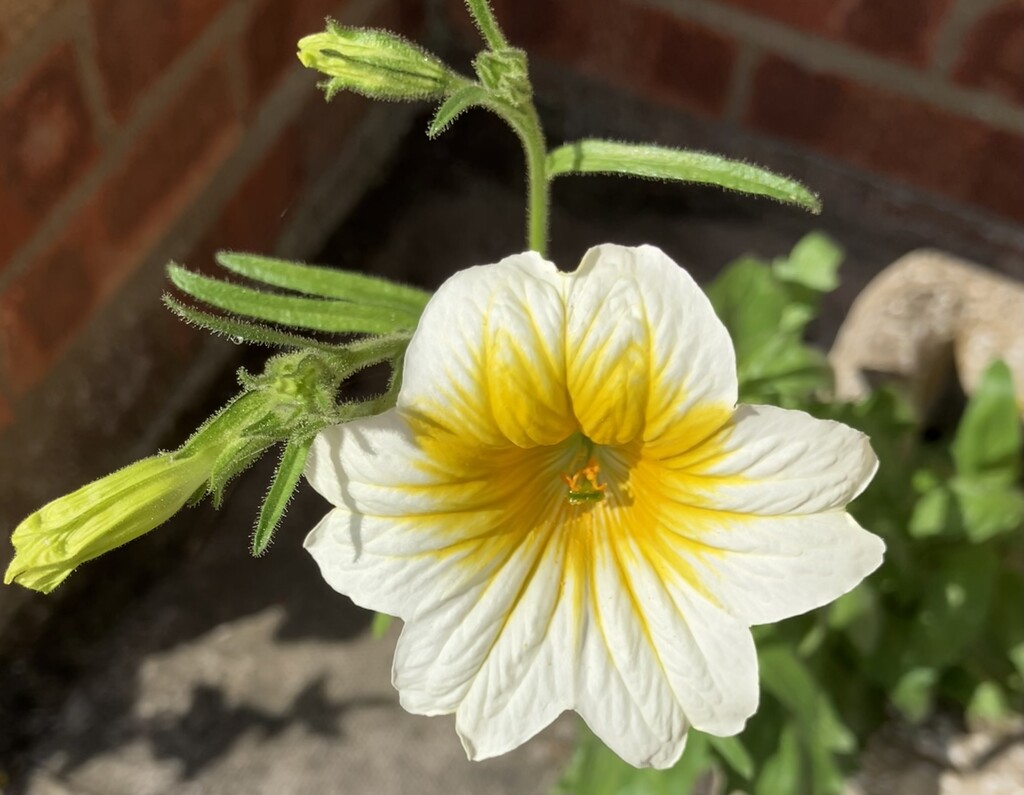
(211,727)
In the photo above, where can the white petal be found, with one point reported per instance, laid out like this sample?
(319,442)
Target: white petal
(491,622)
(756,512)
(527,678)
(659,657)
(380,466)
(623,693)
(374,466)
(768,460)
(410,531)
(765,569)
(379,563)
(487,362)
(464,557)
(646,355)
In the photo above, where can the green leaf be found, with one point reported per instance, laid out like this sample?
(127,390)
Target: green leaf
(457,103)
(988,505)
(934,514)
(813,263)
(735,754)
(309,313)
(915,692)
(780,774)
(988,704)
(988,439)
(784,372)
(1016,655)
(760,311)
(593,156)
(956,601)
(750,301)
(596,770)
(1007,626)
(240,330)
(324,282)
(788,679)
(858,615)
(286,478)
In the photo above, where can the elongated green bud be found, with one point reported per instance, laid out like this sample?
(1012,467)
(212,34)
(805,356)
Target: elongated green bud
(103,515)
(375,63)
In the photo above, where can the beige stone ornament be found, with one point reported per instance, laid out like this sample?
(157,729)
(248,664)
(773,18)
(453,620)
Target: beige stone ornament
(922,316)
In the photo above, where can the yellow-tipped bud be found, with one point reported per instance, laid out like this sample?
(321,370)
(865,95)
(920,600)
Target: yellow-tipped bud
(375,63)
(103,515)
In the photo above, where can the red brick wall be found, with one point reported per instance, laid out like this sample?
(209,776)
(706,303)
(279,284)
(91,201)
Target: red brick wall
(118,118)
(929,93)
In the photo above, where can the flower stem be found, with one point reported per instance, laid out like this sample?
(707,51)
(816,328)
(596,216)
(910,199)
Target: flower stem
(526,124)
(520,113)
(484,18)
(538,185)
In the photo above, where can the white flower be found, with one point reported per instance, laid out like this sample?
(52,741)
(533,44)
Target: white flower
(569,511)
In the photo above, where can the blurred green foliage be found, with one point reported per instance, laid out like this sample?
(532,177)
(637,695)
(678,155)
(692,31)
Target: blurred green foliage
(939,626)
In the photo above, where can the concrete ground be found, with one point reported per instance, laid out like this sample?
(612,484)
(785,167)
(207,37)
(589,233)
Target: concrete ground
(244,676)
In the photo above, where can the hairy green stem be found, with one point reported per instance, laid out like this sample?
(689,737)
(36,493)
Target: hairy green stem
(526,125)
(520,114)
(484,18)
(538,184)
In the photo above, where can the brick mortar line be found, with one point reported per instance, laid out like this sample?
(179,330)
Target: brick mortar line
(339,189)
(148,276)
(273,116)
(821,55)
(962,16)
(749,57)
(58,27)
(188,229)
(333,195)
(263,131)
(96,100)
(237,73)
(839,182)
(7,395)
(157,99)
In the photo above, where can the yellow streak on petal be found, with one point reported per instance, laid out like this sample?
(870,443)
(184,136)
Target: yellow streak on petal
(496,502)
(525,385)
(609,391)
(667,497)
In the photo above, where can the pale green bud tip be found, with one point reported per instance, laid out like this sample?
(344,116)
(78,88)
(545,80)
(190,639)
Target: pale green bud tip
(376,63)
(103,515)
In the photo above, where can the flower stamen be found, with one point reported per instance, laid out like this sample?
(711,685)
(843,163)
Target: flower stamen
(584,486)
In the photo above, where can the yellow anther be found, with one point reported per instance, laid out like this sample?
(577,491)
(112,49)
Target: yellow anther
(583,485)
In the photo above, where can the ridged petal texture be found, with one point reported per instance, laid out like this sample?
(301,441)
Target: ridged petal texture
(569,511)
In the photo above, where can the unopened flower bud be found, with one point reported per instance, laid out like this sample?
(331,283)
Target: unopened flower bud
(103,515)
(375,63)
